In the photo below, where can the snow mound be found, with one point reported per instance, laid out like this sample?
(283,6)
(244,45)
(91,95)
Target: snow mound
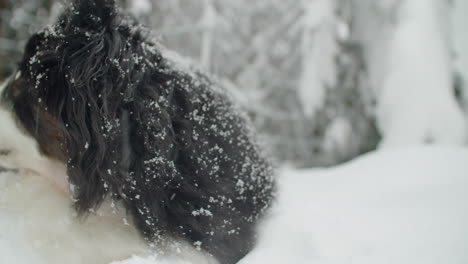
(405,206)
(150,260)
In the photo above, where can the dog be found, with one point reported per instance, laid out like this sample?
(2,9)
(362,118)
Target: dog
(108,122)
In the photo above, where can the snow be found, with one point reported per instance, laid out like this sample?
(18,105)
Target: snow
(140,7)
(405,206)
(320,50)
(411,69)
(208,22)
(338,136)
(13,250)
(150,260)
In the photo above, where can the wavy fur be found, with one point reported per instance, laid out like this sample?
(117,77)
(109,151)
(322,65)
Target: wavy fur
(97,93)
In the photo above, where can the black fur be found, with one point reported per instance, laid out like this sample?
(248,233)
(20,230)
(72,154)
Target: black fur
(166,142)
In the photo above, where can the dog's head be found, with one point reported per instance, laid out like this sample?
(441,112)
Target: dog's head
(69,100)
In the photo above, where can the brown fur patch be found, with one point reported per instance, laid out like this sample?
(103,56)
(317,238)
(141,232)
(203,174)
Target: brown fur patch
(51,140)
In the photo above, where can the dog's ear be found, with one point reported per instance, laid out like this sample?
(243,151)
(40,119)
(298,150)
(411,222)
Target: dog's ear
(85,71)
(96,62)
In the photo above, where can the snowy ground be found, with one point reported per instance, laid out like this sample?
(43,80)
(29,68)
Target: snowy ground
(398,206)
(405,206)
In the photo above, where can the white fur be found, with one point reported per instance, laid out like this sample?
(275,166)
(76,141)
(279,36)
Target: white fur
(24,151)
(48,223)
(39,202)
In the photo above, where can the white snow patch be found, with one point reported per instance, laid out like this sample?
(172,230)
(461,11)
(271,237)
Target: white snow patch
(406,206)
(417,103)
(410,67)
(338,136)
(140,7)
(320,47)
(150,260)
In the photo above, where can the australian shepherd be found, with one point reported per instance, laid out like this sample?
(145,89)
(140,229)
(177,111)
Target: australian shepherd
(122,150)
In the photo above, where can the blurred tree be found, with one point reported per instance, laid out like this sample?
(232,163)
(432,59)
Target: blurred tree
(306,71)
(459,20)
(409,49)
(291,63)
(18,20)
